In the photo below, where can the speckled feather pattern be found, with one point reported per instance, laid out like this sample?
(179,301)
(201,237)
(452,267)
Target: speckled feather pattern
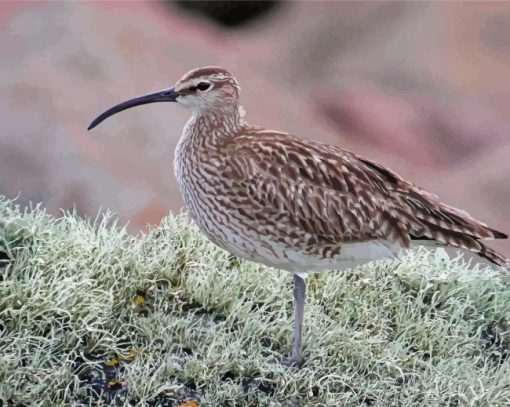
(301,205)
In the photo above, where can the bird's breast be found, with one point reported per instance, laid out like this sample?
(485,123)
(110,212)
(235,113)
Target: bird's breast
(207,197)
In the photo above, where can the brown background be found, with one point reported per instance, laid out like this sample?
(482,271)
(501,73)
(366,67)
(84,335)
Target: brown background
(424,88)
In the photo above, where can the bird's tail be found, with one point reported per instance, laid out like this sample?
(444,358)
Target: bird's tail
(450,226)
(444,237)
(493,256)
(423,219)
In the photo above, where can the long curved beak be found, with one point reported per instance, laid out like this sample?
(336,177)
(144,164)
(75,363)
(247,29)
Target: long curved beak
(167,95)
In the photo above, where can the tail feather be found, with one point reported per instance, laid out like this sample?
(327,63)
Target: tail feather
(498,235)
(448,237)
(430,219)
(493,256)
(434,215)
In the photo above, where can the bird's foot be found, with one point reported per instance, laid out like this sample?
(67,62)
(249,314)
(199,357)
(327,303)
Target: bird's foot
(290,361)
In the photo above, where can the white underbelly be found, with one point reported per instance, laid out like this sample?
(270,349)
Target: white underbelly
(351,255)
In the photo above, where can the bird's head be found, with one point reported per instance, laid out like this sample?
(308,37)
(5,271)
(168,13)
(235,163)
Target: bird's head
(201,90)
(207,88)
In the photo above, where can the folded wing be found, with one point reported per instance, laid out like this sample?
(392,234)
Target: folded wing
(335,196)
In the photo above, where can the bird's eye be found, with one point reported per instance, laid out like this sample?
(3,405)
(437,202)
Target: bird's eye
(203,86)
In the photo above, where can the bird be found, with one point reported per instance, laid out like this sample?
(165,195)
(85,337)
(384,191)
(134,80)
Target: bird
(295,204)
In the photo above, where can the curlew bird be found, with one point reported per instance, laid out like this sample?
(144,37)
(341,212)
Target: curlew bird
(297,204)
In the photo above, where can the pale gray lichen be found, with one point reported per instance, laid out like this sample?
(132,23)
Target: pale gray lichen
(164,316)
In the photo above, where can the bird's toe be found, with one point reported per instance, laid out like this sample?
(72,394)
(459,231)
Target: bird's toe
(289,361)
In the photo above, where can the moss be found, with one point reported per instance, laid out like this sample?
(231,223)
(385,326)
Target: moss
(90,315)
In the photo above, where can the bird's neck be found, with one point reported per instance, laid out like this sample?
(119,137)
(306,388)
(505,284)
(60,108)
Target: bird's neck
(203,135)
(209,127)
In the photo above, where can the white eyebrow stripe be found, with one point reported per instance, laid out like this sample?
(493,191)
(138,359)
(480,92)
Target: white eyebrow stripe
(208,79)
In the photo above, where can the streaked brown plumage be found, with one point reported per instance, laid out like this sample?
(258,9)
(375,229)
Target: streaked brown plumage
(297,204)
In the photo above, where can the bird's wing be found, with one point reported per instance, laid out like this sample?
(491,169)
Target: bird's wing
(336,195)
(324,191)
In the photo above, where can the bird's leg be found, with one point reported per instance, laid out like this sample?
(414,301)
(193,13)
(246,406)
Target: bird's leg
(296,357)
(299,309)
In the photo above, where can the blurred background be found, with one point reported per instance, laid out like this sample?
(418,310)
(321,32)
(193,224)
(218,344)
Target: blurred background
(423,88)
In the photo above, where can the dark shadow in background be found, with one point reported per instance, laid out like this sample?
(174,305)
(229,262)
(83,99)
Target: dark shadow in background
(229,14)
